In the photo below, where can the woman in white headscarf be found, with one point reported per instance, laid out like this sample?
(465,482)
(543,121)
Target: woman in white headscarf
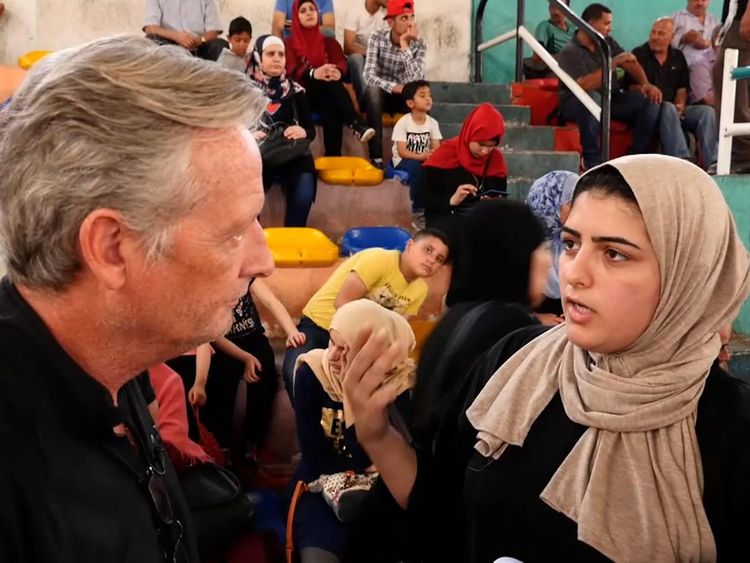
(613,436)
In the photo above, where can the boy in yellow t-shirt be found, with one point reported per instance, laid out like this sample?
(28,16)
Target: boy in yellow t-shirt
(391,278)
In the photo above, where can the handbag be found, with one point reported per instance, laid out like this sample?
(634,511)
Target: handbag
(344,492)
(220,508)
(276,150)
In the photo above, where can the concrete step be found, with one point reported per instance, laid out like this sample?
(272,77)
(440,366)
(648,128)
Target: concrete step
(454,112)
(517,137)
(739,364)
(534,164)
(470,93)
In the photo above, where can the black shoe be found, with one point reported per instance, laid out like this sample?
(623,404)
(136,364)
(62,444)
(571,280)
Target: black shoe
(377,163)
(363,132)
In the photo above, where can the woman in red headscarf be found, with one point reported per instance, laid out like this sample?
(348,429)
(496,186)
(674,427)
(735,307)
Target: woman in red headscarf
(318,63)
(465,169)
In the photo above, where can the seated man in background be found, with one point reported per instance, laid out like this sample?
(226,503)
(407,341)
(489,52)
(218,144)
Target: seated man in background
(281,21)
(361,22)
(192,24)
(554,34)
(693,35)
(395,57)
(581,60)
(391,278)
(667,69)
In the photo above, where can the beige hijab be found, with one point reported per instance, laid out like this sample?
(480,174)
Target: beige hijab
(634,481)
(348,320)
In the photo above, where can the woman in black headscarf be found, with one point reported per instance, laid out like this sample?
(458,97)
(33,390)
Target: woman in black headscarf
(500,266)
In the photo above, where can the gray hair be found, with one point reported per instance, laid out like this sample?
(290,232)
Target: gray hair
(108,124)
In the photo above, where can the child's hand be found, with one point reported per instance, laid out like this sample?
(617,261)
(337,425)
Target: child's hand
(197,396)
(295,339)
(252,366)
(294,132)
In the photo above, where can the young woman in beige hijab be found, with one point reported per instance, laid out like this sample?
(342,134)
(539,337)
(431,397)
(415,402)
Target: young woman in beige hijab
(612,436)
(326,426)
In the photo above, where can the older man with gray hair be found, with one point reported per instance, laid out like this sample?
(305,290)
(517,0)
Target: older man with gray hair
(129,194)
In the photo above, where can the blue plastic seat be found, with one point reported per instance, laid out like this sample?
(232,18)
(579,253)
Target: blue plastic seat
(391,172)
(360,238)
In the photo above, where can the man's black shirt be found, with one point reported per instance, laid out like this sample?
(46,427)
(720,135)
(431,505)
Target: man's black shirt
(71,490)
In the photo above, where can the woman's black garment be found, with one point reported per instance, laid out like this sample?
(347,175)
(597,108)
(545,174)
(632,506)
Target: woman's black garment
(284,113)
(333,103)
(502,511)
(438,185)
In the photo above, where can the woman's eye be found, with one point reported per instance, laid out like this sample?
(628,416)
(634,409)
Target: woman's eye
(569,244)
(615,255)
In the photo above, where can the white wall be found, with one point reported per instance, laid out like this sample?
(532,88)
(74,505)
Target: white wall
(54,24)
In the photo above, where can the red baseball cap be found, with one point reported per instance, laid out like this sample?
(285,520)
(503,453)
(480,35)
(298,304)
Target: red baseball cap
(399,8)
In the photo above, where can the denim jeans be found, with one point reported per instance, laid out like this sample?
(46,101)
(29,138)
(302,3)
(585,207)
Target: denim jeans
(701,121)
(299,190)
(315,337)
(627,106)
(414,168)
(356,64)
(673,142)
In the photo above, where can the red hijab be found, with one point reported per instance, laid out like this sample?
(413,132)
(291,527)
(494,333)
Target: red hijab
(484,123)
(307,42)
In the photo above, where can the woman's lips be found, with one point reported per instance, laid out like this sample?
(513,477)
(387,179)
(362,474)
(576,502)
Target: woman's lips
(577,312)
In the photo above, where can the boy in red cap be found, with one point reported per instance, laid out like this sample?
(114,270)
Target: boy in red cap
(395,56)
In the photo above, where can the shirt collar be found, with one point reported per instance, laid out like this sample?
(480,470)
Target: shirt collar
(80,399)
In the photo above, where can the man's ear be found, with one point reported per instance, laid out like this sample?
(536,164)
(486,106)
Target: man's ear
(409,245)
(101,238)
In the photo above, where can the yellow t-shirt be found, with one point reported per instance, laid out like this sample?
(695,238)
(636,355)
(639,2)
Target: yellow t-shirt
(378,269)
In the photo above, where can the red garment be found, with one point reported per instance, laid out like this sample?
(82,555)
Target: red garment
(172,419)
(484,123)
(309,48)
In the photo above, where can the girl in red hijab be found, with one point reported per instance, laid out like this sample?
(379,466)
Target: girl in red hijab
(465,169)
(318,63)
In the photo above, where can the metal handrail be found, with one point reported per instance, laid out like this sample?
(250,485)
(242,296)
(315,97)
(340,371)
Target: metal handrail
(727,127)
(599,40)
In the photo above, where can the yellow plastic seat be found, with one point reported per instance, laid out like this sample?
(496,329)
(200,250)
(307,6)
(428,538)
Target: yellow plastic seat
(29,59)
(293,247)
(347,171)
(422,329)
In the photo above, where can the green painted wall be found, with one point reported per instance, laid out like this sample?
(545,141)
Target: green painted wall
(736,191)
(632,21)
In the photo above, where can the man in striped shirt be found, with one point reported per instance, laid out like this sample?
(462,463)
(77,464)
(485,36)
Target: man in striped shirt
(395,57)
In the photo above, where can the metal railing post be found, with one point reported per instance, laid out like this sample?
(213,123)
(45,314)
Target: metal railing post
(478,39)
(520,20)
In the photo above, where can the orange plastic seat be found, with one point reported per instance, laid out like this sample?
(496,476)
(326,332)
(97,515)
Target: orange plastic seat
(422,329)
(348,171)
(293,247)
(27,60)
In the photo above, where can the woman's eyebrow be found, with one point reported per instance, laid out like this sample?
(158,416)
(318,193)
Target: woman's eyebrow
(617,240)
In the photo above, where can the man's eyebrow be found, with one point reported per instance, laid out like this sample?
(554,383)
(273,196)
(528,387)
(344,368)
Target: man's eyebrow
(617,240)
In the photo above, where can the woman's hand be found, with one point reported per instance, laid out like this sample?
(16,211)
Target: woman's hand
(367,396)
(327,72)
(252,366)
(197,396)
(295,339)
(260,135)
(294,132)
(462,192)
